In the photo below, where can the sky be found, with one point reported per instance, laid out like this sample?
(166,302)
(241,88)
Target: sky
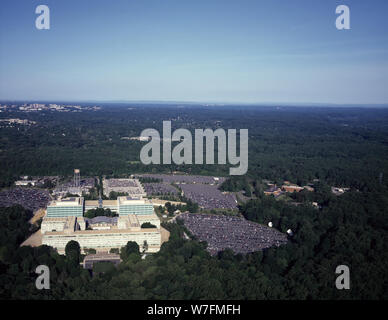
(227,51)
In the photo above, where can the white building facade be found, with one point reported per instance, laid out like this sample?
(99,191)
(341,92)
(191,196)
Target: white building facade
(63,225)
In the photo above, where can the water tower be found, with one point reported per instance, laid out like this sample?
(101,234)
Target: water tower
(77,178)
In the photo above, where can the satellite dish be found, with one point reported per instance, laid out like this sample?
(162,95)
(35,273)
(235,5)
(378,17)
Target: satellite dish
(289,232)
(270,224)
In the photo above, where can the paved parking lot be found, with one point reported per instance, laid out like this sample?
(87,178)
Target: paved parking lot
(240,235)
(29,198)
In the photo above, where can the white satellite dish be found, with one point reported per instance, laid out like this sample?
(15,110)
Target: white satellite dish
(270,224)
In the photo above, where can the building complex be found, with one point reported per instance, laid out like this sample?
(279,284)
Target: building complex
(65,221)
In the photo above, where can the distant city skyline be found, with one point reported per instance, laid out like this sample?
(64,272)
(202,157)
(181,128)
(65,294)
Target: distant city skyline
(221,51)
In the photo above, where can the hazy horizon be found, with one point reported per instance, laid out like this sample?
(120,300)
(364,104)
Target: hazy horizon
(199,103)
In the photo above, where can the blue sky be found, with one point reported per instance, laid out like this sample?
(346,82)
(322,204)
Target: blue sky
(195,50)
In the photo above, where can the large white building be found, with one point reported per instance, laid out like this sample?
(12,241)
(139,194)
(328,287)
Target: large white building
(66,207)
(64,222)
(123,205)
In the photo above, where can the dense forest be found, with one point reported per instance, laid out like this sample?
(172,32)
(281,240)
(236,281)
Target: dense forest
(345,147)
(342,146)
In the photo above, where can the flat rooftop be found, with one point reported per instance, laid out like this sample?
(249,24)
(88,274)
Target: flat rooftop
(67,202)
(55,219)
(127,200)
(104,203)
(102,256)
